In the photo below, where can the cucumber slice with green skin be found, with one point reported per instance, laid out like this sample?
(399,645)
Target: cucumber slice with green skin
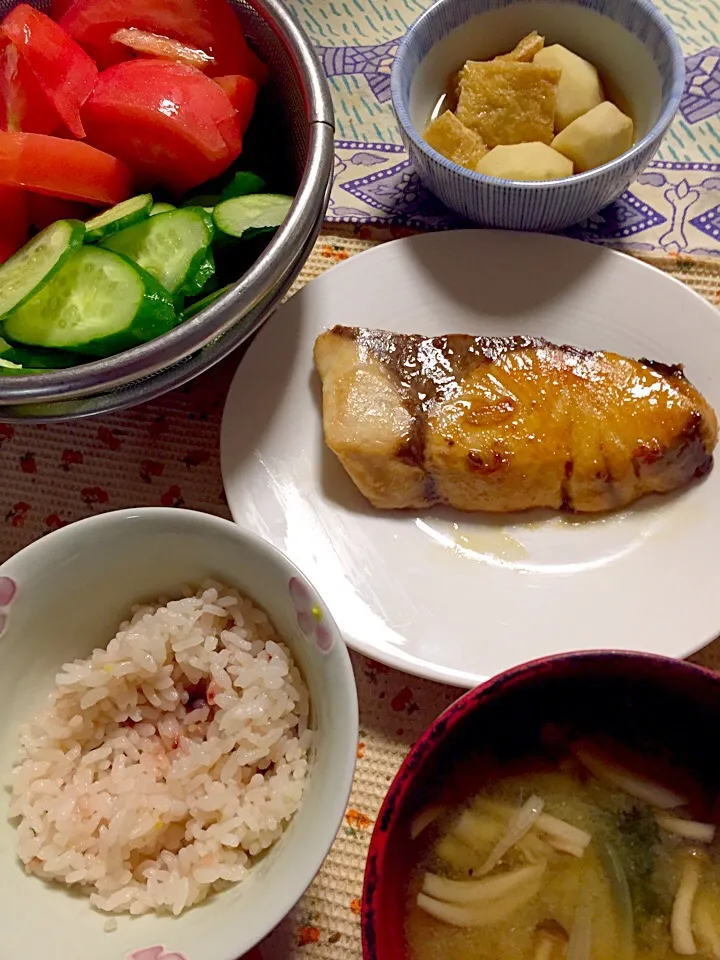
(173,247)
(122,215)
(41,359)
(17,371)
(256,213)
(98,304)
(242,184)
(24,273)
(197,279)
(15,361)
(161,208)
(20,371)
(199,305)
(204,200)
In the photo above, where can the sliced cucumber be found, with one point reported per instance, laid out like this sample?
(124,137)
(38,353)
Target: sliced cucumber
(38,358)
(173,247)
(25,272)
(256,213)
(204,200)
(122,215)
(7,366)
(199,305)
(98,304)
(161,208)
(242,184)
(17,371)
(199,276)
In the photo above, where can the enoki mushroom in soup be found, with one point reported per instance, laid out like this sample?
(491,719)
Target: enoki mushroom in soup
(588,858)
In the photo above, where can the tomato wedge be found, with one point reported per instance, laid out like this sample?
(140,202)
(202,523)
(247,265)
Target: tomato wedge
(58,8)
(45,210)
(62,168)
(169,123)
(23,104)
(14,223)
(242,93)
(62,68)
(209,25)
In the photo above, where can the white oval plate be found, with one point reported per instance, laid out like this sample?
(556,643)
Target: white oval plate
(457,597)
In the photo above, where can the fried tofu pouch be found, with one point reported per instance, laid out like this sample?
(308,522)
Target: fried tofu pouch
(507,102)
(526,50)
(454,140)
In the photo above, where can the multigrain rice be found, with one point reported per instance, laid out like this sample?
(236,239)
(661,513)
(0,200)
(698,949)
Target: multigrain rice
(163,764)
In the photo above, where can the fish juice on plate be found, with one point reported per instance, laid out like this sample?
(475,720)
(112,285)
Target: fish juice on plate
(588,856)
(536,113)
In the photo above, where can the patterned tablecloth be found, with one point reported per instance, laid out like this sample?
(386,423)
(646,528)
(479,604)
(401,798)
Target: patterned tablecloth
(167,452)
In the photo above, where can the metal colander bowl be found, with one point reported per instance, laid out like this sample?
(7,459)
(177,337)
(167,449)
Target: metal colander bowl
(295,110)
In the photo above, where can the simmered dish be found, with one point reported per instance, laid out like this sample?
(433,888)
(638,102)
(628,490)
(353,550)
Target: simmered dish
(505,424)
(536,113)
(585,858)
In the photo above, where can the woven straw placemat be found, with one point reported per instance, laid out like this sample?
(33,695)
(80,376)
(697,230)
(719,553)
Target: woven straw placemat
(167,452)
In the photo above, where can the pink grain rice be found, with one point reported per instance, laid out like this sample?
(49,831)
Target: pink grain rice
(163,764)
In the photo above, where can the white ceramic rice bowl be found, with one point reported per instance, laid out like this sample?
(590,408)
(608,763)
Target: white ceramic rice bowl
(66,594)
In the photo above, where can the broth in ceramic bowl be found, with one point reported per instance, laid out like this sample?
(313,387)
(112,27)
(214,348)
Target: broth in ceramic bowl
(566,809)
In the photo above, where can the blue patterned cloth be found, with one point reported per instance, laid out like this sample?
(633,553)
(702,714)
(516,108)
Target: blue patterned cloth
(673,207)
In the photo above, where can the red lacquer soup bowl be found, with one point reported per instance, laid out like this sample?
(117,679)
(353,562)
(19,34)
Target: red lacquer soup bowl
(658,708)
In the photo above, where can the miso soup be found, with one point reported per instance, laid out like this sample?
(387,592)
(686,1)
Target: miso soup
(581,859)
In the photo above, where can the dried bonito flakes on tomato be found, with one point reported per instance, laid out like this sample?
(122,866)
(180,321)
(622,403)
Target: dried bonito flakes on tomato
(209,25)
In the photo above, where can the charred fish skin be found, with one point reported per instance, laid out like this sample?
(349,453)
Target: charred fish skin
(507,424)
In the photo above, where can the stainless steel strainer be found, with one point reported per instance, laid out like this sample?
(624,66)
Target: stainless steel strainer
(297,111)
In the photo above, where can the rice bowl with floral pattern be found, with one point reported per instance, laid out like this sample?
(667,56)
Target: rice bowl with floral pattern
(179,722)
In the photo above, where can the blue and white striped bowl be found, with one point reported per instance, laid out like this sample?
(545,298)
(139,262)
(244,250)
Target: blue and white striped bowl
(629,41)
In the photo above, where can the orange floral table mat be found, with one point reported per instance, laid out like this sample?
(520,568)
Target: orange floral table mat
(167,452)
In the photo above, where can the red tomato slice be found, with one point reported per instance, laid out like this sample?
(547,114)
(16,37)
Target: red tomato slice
(62,168)
(46,210)
(58,8)
(242,93)
(209,25)
(169,123)
(14,223)
(63,69)
(23,104)
(254,67)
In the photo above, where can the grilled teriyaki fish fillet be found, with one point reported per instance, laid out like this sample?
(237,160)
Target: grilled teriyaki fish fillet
(506,423)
